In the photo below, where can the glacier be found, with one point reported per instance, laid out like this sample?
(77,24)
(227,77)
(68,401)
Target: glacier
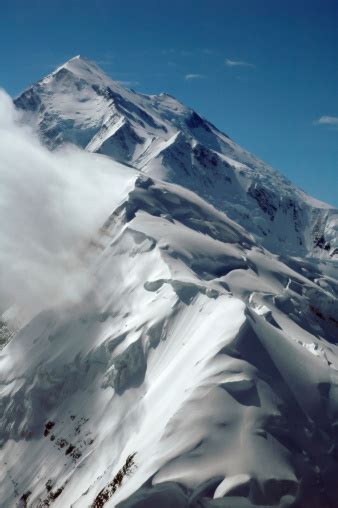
(206,345)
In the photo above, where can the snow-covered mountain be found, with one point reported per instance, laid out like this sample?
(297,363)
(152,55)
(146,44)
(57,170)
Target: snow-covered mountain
(201,370)
(158,135)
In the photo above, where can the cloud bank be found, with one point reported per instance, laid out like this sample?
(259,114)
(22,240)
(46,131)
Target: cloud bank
(51,204)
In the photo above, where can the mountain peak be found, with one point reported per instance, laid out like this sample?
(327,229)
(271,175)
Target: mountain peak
(167,355)
(78,103)
(83,68)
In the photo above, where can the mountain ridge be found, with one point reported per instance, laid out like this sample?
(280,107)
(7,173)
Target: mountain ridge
(160,136)
(200,368)
(199,351)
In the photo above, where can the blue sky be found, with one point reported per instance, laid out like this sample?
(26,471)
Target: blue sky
(264,72)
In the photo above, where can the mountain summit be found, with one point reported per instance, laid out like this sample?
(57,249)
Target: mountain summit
(200,368)
(80,104)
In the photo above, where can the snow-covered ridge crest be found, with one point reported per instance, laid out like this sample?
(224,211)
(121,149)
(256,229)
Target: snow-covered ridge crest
(199,351)
(83,68)
(157,134)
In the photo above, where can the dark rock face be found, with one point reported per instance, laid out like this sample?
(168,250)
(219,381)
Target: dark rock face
(104,91)
(130,368)
(29,101)
(194,121)
(264,199)
(322,243)
(6,334)
(204,156)
(289,206)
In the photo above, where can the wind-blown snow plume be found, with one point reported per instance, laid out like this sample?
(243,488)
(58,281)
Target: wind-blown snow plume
(51,204)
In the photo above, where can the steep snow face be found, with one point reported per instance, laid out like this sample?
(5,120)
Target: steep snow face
(198,350)
(157,134)
(78,103)
(199,370)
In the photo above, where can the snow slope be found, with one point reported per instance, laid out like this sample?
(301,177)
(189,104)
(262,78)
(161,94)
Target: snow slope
(198,350)
(209,357)
(78,103)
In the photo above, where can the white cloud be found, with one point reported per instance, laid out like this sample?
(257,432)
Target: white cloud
(237,63)
(51,206)
(327,120)
(189,77)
